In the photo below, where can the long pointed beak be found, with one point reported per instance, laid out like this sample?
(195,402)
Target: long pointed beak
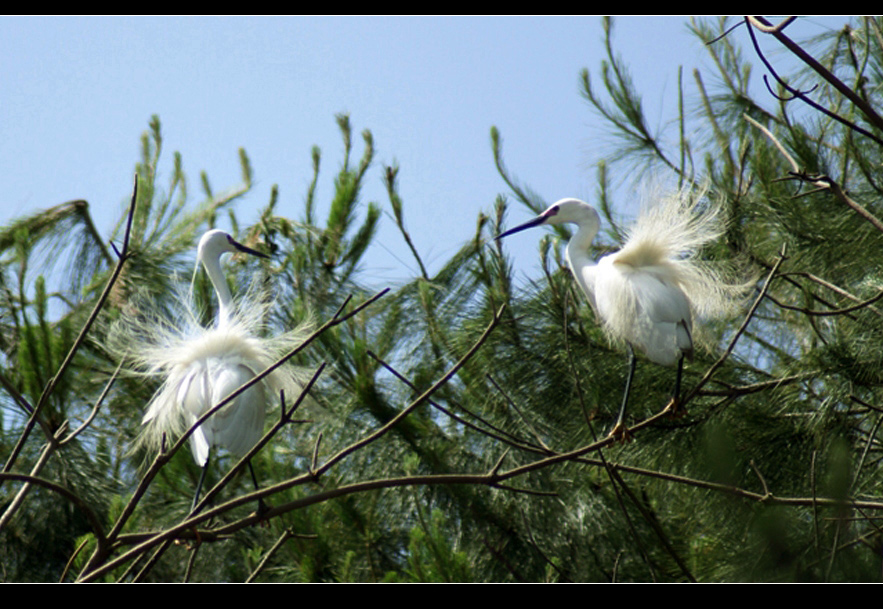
(529,224)
(246,249)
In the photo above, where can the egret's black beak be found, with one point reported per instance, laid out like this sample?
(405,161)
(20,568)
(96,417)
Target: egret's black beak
(529,224)
(247,250)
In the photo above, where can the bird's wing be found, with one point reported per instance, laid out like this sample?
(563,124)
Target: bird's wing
(235,427)
(194,397)
(645,308)
(668,310)
(239,425)
(585,277)
(663,300)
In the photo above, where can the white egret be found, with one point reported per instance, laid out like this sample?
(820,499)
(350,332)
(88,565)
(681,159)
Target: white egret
(646,294)
(203,366)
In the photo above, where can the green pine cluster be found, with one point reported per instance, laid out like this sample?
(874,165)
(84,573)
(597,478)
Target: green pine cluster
(454,426)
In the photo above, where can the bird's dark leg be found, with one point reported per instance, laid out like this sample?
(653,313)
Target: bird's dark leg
(619,431)
(262,507)
(199,487)
(674,406)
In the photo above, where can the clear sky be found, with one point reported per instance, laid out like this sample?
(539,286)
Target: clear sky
(76,94)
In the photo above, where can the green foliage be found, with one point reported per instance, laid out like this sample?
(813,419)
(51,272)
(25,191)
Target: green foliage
(455,428)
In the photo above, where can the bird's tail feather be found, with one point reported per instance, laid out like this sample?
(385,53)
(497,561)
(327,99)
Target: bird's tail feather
(672,230)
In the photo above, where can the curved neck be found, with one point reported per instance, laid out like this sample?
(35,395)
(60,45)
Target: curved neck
(582,266)
(225,298)
(577,250)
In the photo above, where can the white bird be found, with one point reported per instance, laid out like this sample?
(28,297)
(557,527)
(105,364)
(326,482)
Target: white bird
(203,366)
(646,294)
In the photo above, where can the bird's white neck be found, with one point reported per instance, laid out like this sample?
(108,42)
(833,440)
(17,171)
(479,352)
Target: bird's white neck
(225,298)
(577,250)
(581,264)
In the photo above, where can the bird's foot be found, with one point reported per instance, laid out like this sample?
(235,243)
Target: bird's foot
(675,410)
(190,544)
(261,513)
(620,433)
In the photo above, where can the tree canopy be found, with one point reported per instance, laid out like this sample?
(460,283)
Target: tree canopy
(452,428)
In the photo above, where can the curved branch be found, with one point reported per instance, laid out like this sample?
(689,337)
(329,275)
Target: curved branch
(93,519)
(761,24)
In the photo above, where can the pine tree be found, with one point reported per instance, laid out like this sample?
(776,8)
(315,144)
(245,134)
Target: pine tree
(454,426)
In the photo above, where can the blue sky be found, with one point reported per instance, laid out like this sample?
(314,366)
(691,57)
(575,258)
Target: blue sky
(78,92)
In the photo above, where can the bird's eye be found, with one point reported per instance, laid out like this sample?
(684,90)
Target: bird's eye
(553,210)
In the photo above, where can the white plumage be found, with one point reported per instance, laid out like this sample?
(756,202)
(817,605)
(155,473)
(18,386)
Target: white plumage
(203,366)
(646,294)
(201,372)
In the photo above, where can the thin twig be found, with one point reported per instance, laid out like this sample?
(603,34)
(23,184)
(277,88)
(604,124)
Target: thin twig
(35,415)
(758,22)
(732,344)
(496,433)
(78,342)
(286,535)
